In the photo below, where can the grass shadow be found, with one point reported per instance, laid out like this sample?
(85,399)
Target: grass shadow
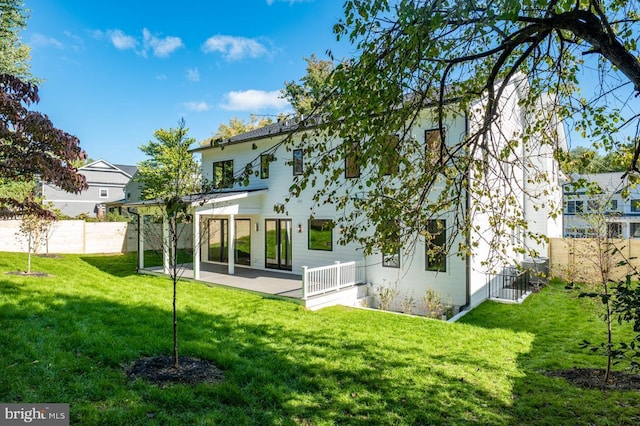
(282,364)
(557,321)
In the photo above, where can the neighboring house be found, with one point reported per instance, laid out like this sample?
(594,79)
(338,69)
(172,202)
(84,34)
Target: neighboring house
(623,213)
(106,183)
(239,227)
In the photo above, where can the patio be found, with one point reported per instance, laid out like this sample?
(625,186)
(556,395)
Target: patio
(273,283)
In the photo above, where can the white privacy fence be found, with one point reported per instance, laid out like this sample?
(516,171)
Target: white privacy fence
(324,279)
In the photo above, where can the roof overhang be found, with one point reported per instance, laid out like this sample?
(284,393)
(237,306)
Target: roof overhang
(198,200)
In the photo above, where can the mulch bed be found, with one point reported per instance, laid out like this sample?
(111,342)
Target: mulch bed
(592,378)
(159,370)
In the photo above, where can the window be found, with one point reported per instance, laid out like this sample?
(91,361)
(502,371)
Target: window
(432,145)
(223,174)
(390,157)
(351,161)
(298,162)
(104,193)
(635,230)
(436,257)
(390,234)
(265,159)
(614,230)
(635,206)
(613,205)
(574,207)
(320,234)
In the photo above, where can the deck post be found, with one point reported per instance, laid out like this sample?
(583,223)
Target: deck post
(304,283)
(231,241)
(140,242)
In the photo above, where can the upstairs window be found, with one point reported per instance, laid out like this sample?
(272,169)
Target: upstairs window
(432,146)
(436,257)
(390,157)
(635,206)
(223,174)
(104,193)
(351,160)
(265,159)
(575,206)
(298,162)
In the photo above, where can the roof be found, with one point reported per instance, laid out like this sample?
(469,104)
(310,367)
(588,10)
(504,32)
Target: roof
(610,183)
(280,128)
(130,170)
(104,165)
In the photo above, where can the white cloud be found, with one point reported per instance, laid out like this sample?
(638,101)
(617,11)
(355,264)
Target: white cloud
(235,48)
(254,100)
(193,74)
(162,47)
(197,106)
(44,41)
(121,40)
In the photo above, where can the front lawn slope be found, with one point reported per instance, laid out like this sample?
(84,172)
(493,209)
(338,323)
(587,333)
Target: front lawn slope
(69,337)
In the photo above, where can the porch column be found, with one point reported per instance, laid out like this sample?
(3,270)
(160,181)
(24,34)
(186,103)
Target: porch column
(231,237)
(166,244)
(197,245)
(140,242)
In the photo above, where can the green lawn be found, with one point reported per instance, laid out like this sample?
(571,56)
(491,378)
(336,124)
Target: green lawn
(67,338)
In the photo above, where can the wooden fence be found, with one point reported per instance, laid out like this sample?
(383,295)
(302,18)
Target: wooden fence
(576,259)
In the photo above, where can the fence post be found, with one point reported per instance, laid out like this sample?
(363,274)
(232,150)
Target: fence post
(304,283)
(338,284)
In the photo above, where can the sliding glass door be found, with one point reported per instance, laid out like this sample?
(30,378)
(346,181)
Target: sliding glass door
(219,241)
(278,243)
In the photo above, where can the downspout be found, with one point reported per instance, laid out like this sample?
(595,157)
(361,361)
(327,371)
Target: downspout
(137,215)
(467,204)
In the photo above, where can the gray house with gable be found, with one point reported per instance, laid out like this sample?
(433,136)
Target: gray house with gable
(106,182)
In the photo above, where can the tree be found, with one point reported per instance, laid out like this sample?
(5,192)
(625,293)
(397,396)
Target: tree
(460,58)
(169,175)
(37,229)
(584,160)
(307,96)
(237,126)
(31,147)
(170,169)
(14,55)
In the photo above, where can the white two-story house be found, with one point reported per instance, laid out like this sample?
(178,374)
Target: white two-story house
(237,225)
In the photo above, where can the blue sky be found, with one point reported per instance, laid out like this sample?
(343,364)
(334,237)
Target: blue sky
(114,71)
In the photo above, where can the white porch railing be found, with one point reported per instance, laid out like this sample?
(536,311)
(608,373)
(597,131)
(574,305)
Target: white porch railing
(324,279)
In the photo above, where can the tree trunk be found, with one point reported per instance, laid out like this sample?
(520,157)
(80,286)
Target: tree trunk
(607,374)
(174,275)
